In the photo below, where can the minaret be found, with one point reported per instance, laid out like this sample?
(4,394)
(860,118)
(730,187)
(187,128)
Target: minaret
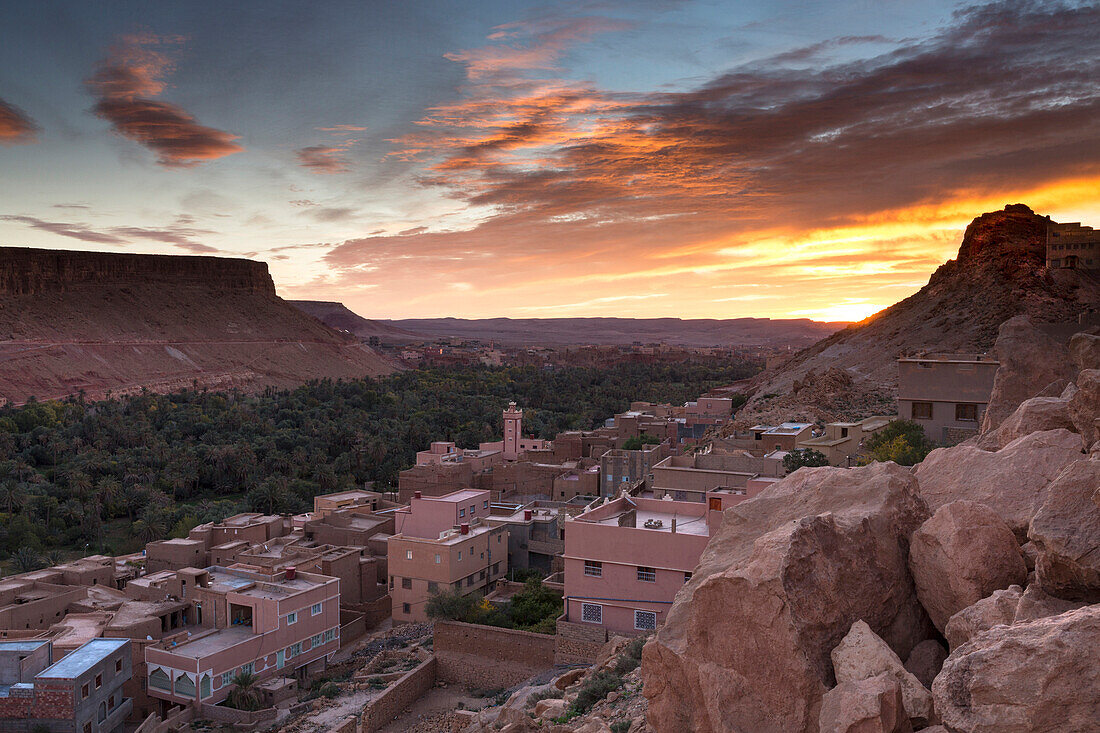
(513,429)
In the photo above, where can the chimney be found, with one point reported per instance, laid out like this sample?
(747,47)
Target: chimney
(417,495)
(291,571)
(674,525)
(464,528)
(527,515)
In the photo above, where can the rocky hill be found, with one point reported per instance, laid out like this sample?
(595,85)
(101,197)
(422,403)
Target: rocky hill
(999,273)
(103,322)
(339,316)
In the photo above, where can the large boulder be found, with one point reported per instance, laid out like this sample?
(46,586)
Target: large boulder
(862,654)
(1066,534)
(1010,481)
(869,705)
(1037,603)
(1034,415)
(1037,677)
(925,661)
(1084,351)
(960,556)
(998,609)
(747,643)
(1084,406)
(1029,361)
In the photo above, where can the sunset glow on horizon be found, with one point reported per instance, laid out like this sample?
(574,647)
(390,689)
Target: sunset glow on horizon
(639,159)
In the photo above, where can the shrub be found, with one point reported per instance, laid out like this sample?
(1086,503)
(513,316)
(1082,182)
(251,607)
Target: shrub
(800,457)
(902,441)
(594,689)
(621,726)
(631,657)
(550,693)
(329,690)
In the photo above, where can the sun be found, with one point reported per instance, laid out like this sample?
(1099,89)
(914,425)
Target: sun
(854,310)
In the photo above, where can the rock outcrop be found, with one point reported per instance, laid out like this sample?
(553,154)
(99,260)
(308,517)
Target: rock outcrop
(997,609)
(1037,677)
(1029,361)
(1066,534)
(1034,415)
(1012,481)
(960,556)
(747,643)
(862,655)
(1084,351)
(869,705)
(1084,406)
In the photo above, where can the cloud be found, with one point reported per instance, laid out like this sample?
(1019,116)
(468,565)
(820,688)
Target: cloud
(65,229)
(325,159)
(16,128)
(124,85)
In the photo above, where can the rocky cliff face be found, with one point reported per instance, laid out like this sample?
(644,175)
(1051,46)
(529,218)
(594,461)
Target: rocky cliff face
(999,273)
(102,322)
(25,271)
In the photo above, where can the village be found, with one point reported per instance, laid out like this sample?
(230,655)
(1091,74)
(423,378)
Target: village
(300,608)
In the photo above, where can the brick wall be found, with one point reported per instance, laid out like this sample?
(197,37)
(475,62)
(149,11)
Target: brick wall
(578,643)
(487,657)
(384,708)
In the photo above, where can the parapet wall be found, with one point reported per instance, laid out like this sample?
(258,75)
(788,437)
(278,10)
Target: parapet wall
(27,271)
(384,708)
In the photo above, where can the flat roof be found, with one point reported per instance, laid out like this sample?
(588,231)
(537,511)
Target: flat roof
(460,495)
(685,523)
(211,643)
(28,645)
(79,661)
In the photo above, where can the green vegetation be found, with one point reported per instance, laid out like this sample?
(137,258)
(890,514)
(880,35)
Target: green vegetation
(638,441)
(621,726)
(631,657)
(535,608)
(245,694)
(112,475)
(593,690)
(550,693)
(902,441)
(800,457)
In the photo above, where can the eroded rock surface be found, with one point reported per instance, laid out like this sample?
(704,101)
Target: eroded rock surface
(1011,481)
(747,644)
(870,705)
(925,661)
(1036,677)
(862,654)
(960,556)
(1066,534)
(1029,361)
(999,608)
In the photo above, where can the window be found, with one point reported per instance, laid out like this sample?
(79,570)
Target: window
(291,618)
(647,575)
(461,513)
(329,635)
(297,649)
(473,509)
(922,410)
(592,613)
(496,568)
(204,686)
(460,555)
(98,681)
(406,608)
(485,504)
(391,582)
(469,581)
(498,538)
(84,692)
(645,620)
(408,554)
(316,641)
(966,413)
(714,504)
(687,577)
(118,665)
(248,668)
(227,678)
(315,609)
(433,586)
(438,559)
(407,583)
(593,569)
(158,679)
(87,728)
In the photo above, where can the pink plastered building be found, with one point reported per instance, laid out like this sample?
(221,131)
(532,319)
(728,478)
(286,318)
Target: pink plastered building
(244,621)
(626,559)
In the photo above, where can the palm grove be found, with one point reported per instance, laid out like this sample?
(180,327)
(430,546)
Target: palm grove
(112,475)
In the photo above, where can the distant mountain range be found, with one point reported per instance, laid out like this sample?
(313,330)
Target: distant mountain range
(98,322)
(569,331)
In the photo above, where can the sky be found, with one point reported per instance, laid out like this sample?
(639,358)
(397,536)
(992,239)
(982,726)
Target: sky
(475,158)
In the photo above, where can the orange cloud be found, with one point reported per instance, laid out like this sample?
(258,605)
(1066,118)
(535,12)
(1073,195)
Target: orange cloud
(123,85)
(16,128)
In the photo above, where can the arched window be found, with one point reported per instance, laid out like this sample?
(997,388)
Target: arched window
(159,679)
(185,686)
(204,686)
(102,711)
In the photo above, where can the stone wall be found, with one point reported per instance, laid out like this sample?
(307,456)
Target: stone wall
(384,708)
(487,657)
(239,719)
(352,626)
(578,643)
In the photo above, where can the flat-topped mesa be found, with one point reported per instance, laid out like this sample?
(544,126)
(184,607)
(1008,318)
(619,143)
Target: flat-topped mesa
(28,271)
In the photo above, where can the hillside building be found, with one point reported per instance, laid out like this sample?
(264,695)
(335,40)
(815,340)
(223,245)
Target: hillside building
(946,393)
(841,442)
(441,543)
(1073,247)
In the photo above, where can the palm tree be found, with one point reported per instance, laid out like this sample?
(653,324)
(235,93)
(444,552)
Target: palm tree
(12,496)
(245,694)
(149,530)
(25,560)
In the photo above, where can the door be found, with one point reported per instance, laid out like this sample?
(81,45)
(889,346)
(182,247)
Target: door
(280,659)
